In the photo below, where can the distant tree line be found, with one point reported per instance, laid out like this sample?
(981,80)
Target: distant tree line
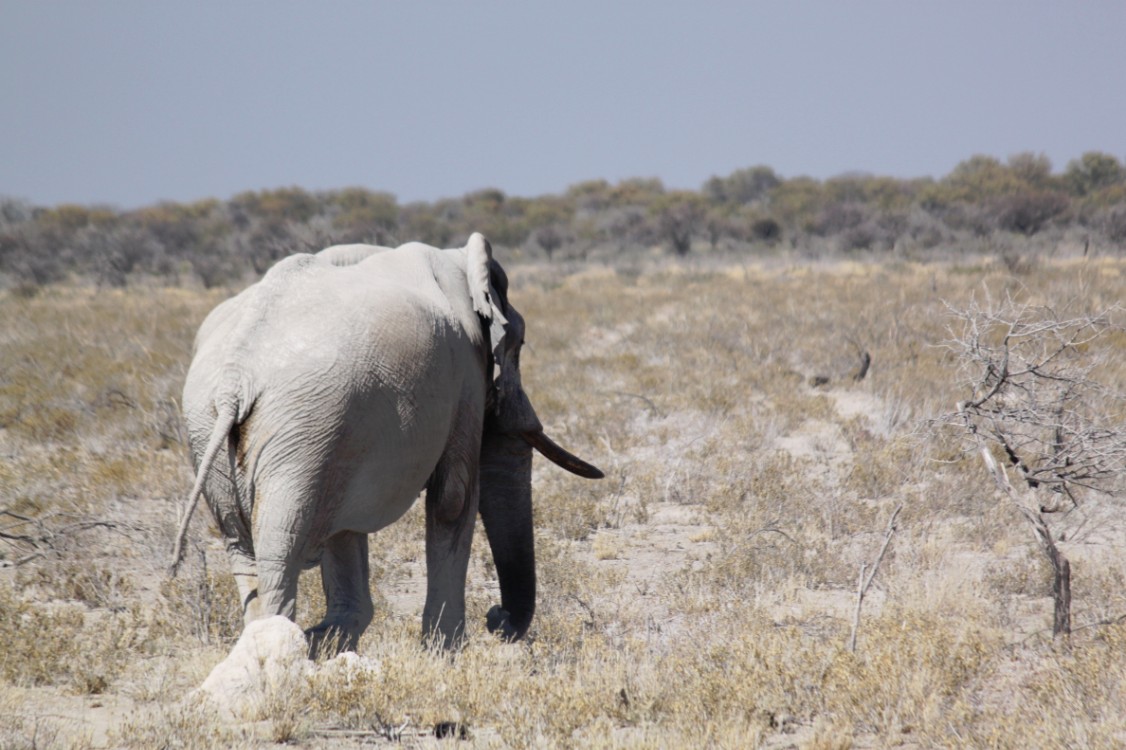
(750,210)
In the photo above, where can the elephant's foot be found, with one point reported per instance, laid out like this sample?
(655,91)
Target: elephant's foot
(444,633)
(328,639)
(498,621)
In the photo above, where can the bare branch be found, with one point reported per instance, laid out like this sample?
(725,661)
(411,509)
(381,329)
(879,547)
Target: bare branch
(35,537)
(863,584)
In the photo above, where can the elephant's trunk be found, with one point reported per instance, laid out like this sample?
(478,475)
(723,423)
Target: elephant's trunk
(506,510)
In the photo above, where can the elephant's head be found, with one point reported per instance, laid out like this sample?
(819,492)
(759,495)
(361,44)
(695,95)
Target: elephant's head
(512,430)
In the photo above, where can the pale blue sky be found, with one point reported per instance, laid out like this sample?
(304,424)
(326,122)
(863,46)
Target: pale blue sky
(132,102)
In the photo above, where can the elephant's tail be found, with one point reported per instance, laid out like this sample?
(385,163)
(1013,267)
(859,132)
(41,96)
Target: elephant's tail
(224,422)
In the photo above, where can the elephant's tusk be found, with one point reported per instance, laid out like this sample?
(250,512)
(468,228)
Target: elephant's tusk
(559,456)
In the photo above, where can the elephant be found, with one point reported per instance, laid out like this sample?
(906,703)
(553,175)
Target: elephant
(322,400)
(349,255)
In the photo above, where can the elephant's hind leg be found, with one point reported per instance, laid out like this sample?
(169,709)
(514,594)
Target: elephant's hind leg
(281,543)
(344,574)
(245,571)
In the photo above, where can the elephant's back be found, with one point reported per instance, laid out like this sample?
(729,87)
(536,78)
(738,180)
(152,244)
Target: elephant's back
(355,374)
(365,371)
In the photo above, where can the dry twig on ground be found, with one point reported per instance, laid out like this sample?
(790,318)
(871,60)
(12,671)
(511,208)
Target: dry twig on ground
(864,583)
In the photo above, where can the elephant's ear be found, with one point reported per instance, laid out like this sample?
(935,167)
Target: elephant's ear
(478,267)
(487,287)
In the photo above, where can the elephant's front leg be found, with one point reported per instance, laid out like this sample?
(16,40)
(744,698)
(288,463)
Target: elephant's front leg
(451,511)
(344,574)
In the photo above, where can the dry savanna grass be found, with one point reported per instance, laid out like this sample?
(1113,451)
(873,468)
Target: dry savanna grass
(702,595)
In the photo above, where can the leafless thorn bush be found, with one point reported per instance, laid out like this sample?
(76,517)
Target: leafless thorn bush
(1038,398)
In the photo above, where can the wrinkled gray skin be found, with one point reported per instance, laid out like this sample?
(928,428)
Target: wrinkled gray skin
(323,399)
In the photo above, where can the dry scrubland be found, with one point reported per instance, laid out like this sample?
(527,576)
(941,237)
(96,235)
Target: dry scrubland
(700,595)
